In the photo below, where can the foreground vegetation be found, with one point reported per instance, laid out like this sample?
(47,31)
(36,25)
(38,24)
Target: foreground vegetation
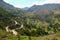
(35,27)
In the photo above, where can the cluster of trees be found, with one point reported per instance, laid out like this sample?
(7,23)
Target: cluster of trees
(33,25)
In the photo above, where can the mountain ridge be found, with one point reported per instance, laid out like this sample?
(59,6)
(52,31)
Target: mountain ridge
(45,9)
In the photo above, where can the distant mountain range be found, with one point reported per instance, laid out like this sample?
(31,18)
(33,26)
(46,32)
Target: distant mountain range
(25,8)
(36,9)
(45,6)
(45,9)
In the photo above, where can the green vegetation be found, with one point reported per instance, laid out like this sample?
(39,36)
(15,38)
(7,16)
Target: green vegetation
(29,26)
(33,26)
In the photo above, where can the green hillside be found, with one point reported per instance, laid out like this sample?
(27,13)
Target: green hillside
(18,24)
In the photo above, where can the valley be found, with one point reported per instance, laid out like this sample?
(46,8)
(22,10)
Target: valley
(39,22)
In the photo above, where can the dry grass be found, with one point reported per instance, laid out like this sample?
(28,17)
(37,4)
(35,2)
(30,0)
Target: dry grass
(49,37)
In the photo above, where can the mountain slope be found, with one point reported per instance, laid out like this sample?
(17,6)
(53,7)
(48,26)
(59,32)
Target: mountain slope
(45,9)
(6,6)
(9,7)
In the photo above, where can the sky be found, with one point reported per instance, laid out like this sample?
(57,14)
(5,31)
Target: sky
(29,3)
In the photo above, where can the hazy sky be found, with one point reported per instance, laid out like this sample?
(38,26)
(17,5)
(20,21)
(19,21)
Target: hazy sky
(29,3)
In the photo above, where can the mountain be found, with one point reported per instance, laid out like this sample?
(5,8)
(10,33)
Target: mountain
(45,9)
(18,24)
(41,10)
(45,6)
(5,5)
(9,7)
(25,8)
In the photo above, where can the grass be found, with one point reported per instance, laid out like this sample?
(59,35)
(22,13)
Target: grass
(10,36)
